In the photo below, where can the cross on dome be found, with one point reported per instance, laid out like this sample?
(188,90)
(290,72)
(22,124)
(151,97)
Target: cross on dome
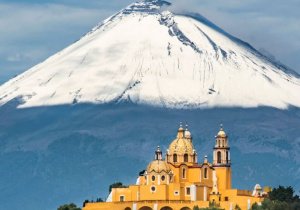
(221,127)
(180,125)
(186,127)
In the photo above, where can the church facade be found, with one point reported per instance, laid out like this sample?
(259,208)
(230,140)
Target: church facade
(179,181)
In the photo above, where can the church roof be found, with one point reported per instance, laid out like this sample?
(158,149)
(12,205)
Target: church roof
(158,166)
(182,144)
(222,133)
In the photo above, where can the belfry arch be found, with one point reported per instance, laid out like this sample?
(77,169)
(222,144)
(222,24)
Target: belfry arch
(185,208)
(175,158)
(166,208)
(186,158)
(145,208)
(219,157)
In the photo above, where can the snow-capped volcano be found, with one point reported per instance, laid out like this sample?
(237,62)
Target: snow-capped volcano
(149,55)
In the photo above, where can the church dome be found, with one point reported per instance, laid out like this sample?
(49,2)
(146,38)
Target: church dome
(158,166)
(181,146)
(222,133)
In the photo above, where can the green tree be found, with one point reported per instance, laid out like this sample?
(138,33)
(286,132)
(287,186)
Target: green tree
(196,208)
(209,208)
(268,204)
(255,206)
(285,194)
(99,200)
(85,202)
(116,185)
(295,205)
(70,206)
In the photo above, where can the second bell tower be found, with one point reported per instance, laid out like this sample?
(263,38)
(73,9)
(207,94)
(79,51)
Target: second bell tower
(221,160)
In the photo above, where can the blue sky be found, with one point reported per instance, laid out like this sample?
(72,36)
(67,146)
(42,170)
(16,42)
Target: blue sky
(32,30)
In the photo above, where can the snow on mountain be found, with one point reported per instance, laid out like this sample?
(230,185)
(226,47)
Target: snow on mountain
(149,55)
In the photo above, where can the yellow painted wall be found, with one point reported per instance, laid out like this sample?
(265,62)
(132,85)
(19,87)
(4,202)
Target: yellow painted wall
(175,205)
(224,178)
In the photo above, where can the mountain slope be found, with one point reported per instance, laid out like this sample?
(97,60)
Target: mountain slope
(61,154)
(148,55)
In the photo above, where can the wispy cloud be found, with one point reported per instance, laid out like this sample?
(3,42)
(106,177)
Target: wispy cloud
(271,25)
(31,32)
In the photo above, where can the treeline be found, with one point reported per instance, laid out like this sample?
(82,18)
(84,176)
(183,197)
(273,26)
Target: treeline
(213,206)
(72,206)
(281,198)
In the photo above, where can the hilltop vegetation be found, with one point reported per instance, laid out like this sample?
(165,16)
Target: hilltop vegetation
(281,198)
(71,206)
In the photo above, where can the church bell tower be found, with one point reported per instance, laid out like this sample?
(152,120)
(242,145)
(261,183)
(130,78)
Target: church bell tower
(221,160)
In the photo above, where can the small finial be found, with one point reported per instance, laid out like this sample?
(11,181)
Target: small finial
(186,126)
(158,154)
(205,159)
(180,133)
(221,126)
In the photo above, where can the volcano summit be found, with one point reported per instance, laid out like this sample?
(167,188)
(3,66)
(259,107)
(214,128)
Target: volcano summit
(148,55)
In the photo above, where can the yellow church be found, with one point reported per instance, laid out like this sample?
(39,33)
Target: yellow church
(180,182)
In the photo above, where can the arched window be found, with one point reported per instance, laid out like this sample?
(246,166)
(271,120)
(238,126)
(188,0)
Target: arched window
(186,158)
(227,157)
(145,208)
(175,158)
(205,173)
(219,158)
(166,208)
(183,173)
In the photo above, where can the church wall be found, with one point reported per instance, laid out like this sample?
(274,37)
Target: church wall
(244,202)
(208,179)
(142,180)
(118,192)
(224,178)
(194,174)
(203,193)
(176,173)
(160,192)
(135,192)
(174,191)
